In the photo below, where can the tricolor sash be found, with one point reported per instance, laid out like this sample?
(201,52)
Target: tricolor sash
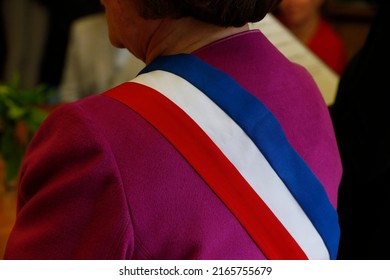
(238,147)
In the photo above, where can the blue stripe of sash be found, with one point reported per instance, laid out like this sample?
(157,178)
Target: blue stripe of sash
(267,134)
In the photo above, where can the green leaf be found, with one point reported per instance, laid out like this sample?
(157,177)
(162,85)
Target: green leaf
(15,112)
(35,118)
(20,105)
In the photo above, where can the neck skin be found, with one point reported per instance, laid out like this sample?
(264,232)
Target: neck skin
(185,35)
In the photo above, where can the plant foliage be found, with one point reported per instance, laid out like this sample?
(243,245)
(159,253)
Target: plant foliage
(21,113)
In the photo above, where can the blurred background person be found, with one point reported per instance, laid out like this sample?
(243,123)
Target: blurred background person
(61,15)
(92,63)
(362,124)
(25,30)
(2,42)
(305,19)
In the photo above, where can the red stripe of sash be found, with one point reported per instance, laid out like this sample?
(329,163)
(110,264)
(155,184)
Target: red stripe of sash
(213,166)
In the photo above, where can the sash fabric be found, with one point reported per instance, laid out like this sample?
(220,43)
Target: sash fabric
(282,211)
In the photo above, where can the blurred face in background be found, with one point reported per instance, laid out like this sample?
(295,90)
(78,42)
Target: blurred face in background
(298,12)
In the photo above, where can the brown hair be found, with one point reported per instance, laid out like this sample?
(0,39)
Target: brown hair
(219,12)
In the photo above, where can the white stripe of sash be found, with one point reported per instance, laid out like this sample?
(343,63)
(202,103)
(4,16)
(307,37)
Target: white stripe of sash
(244,155)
